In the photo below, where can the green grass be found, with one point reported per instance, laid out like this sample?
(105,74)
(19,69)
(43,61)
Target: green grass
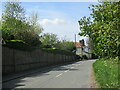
(106,72)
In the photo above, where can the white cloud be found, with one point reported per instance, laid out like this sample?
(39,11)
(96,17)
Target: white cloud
(54,21)
(63,28)
(43,13)
(0,17)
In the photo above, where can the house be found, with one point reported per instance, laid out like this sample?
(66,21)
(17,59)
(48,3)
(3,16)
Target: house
(81,49)
(87,52)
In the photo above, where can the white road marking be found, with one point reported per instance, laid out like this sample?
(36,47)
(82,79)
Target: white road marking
(66,71)
(59,75)
(72,67)
(78,64)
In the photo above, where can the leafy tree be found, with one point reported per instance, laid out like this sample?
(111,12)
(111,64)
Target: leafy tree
(0,24)
(65,45)
(13,19)
(104,29)
(16,26)
(33,20)
(49,39)
(13,9)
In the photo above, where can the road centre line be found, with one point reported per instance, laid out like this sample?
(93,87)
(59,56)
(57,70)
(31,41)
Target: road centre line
(72,67)
(78,64)
(66,71)
(59,75)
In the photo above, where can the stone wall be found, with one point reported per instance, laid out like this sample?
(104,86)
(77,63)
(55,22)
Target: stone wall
(16,61)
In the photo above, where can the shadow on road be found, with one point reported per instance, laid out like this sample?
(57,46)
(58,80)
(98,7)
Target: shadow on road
(18,81)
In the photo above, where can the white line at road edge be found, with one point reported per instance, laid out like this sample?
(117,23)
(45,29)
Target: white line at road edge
(59,75)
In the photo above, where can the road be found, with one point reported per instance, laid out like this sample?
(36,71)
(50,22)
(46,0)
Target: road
(73,75)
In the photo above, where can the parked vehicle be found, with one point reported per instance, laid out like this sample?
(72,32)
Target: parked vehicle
(79,57)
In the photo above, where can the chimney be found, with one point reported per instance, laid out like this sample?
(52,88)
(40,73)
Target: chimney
(82,42)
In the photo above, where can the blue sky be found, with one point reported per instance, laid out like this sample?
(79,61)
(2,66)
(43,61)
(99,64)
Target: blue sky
(60,18)
(69,10)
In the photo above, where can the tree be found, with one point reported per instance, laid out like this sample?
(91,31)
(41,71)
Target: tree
(16,26)
(33,19)
(65,45)
(13,19)
(0,24)
(14,9)
(49,39)
(104,29)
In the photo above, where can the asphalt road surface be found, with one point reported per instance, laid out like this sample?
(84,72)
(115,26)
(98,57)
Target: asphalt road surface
(73,75)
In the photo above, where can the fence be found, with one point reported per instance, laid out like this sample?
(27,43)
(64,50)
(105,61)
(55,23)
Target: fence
(16,61)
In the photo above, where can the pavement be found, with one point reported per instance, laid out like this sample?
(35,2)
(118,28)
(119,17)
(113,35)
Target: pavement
(69,75)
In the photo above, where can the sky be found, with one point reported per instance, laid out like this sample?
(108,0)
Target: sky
(60,18)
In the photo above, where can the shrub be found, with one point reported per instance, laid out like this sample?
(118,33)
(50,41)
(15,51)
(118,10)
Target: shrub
(18,44)
(57,51)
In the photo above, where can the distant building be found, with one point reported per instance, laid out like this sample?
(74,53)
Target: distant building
(87,52)
(81,49)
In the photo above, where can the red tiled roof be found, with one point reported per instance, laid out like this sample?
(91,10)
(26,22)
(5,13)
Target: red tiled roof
(78,45)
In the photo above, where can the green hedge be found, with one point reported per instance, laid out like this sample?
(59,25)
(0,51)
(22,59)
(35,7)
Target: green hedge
(106,72)
(20,45)
(57,51)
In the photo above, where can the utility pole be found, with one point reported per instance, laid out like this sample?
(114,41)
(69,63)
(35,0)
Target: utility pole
(75,39)
(75,43)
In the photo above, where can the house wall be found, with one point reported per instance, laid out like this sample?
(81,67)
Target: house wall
(86,49)
(88,55)
(16,61)
(80,52)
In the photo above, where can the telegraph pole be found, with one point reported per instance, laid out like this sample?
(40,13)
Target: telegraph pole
(75,38)
(75,44)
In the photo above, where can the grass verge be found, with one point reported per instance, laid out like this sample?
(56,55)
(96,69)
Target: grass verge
(106,72)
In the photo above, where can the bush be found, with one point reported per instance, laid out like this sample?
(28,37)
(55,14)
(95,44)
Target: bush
(106,72)
(57,51)
(18,44)
(21,45)
(65,45)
